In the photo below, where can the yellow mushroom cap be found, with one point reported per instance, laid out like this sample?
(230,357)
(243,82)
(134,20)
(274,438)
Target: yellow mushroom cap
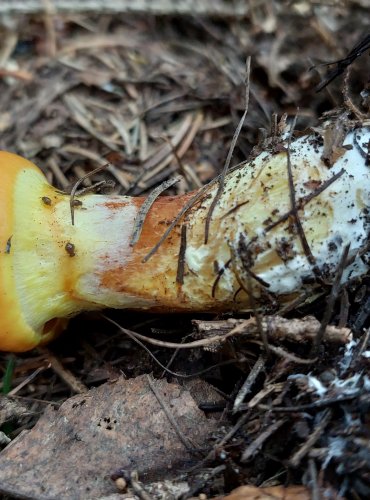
(16,332)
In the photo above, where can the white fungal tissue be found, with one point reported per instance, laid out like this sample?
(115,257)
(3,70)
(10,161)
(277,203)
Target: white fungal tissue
(299,209)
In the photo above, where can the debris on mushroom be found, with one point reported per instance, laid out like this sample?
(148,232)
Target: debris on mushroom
(276,236)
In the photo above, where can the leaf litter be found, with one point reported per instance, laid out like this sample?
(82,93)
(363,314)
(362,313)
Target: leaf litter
(272,406)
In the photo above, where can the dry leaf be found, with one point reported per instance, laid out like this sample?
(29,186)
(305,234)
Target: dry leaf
(271,493)
(72,452)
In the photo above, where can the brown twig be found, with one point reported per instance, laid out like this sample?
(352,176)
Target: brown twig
(220,272)
(66,375)
(331,300)
(348,102)
(314,486)
(221,180)
(282,353)
(136,338)
(146,206)
(301,202)
(188,205)
(322,403)
(181,259)
(297,221)
(75,187)
(295,460)
(248,383)
(175,345)
(257,443)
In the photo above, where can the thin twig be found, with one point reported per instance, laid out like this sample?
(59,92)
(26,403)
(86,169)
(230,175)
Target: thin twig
(107,184)
(176,345)
(348,102)
(221,443)
(181,259)
(315,491)
(173,357)
(306,247)
(234,209)
(257,316)
(198,195)
(221,181)
(136,338)
(250,380)
(77,184)
(322,403)
(363,346)
(344,63)
(344,309)
(218,277)
(263,393)
(178,217)
(313,437)
(250,451)
(188,174)
(279,351)
(27,380)
(300,203)
(146,206)
(201,483)
(331,300)
(66,375)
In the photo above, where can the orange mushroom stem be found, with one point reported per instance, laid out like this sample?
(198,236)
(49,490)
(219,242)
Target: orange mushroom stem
(277,233)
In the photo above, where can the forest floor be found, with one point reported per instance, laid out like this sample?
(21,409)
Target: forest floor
(97,414)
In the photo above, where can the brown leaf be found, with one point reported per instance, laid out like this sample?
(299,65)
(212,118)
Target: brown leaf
(271,493)
(72,452)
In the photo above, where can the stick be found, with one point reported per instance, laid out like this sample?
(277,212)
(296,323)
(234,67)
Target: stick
(211,8)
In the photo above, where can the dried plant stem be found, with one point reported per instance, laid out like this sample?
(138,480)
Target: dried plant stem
(175,345)
(218,8)
(277,328)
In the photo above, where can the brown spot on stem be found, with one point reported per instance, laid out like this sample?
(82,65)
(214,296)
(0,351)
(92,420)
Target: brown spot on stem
(70,249)
(46,200)
(116,205)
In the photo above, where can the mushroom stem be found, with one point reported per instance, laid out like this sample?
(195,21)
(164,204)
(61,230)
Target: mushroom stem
(277,233)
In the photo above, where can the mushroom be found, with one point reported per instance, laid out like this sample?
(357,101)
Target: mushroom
(271,233)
